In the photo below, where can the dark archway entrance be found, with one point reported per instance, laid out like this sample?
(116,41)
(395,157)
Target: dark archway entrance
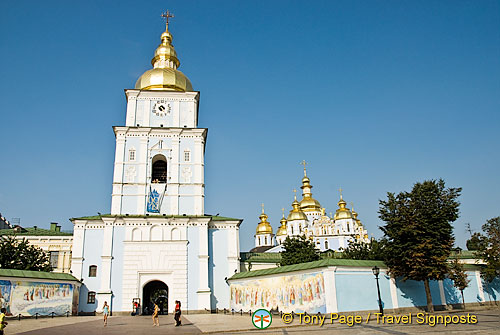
(155,291)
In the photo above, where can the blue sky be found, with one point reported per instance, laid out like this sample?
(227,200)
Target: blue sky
(375,95)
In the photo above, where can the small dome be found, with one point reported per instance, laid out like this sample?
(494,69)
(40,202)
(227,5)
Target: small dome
(296,213)
(282,229)
(342,212)
(263,227)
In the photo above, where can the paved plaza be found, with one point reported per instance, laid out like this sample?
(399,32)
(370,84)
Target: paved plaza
(488,323)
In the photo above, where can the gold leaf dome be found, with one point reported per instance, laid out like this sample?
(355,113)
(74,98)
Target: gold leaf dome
(164,75)
(308,203)
(296,213)
(342,212)
(282,229)
(263,227)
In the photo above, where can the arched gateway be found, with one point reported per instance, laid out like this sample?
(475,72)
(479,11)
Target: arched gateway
(155,291)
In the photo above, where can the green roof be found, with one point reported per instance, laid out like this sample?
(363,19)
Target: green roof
(213,217)
(31,231)
(36,274)
(307,266)
(260,257)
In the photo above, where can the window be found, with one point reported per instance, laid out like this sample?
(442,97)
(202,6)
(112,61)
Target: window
(54,259)
(131,155)
(326,245)
(91,298)
(187,156)
(159,172)
(93,271)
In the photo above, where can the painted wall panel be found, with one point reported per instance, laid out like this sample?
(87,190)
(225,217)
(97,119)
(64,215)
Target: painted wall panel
(193,267)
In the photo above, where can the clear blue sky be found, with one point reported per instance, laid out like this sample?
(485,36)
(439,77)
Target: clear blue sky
(375,95)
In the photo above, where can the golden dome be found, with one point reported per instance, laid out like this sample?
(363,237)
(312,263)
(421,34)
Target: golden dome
(282,229)
(296,213)
(342,212)
(164,75)
(308,203)
(263,227)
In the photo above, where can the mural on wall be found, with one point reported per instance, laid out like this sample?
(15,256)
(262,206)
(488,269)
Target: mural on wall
(297,293)
(29,298)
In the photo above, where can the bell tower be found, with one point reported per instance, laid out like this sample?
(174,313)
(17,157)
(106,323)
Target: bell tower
(159,157)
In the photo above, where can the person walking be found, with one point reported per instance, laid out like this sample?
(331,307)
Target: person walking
(177,315)
(105,312)
(3,323)
(156,319)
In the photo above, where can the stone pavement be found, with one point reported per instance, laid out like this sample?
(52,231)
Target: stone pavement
(488,323)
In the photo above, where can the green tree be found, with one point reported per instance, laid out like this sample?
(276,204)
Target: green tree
(298,250)
(459,277)
(373,250)
(489,249)
(419,232)
(474,243)
(20,255)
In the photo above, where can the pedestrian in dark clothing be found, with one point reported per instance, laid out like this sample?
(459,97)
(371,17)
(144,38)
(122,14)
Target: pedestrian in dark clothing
(177,315)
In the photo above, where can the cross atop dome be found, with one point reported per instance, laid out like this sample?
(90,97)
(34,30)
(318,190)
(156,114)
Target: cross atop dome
(167,15)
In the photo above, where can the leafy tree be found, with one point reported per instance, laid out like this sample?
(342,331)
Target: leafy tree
(361,250)
(20,255)
(459,276)
(489,249)
(419,232)
(474,243)
(298,250)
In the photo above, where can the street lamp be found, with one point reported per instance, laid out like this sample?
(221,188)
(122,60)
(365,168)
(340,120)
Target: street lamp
(376,272)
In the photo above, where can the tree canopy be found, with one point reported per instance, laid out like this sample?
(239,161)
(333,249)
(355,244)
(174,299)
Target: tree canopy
(298,250)
(20,255)
(419,232)
(361,250)
(458,275)
(489,249)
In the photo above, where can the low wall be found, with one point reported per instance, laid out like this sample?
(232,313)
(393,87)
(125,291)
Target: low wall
(331,286)
(32,293)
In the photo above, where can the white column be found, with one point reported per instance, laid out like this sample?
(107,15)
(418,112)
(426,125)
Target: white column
(394,292)
(116,197)
(330,290)
(480,286)
(203,288)
(233,251)
(441,293)
(104,293)
(77,256)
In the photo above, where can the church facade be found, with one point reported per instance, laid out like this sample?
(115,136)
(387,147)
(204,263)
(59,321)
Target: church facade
(157,244)
(307,218)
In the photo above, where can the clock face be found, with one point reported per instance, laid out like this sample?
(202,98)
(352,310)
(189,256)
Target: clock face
(162,108)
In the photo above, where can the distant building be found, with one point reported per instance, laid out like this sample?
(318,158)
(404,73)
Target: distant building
(56,243)
(307,218)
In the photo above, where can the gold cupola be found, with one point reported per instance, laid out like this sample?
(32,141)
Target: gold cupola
(342,212)
(282,229)
(263,227)
(355,215)
(308,203)
(296,213)
(164,75)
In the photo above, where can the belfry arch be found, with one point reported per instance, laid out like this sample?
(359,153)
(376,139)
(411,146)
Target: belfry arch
(159,169)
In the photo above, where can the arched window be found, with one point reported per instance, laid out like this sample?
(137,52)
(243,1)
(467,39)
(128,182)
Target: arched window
(159,171)
(93,271)
(91,298)
(326,245)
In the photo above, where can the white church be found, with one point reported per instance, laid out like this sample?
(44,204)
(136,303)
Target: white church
(307,218)
(157,243)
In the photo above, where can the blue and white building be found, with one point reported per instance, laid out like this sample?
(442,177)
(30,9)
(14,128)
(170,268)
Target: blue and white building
(157,243)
